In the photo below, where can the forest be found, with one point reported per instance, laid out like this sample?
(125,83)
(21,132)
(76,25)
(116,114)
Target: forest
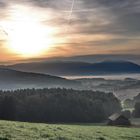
(57,105)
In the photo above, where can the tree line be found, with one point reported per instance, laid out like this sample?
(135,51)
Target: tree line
(57,105)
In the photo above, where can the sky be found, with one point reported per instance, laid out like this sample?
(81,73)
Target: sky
(48,28)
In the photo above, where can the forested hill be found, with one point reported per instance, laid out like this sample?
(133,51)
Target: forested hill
(57,105)
(13,79)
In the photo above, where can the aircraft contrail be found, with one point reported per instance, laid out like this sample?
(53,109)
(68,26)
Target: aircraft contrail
(71,11)
(70,15)
(2,30)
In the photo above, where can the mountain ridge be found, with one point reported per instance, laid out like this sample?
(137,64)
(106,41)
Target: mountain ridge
(70,68)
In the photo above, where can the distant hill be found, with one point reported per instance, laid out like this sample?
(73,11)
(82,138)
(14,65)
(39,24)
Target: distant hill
(103,57)
(12,79)
(93,58)
(70,68)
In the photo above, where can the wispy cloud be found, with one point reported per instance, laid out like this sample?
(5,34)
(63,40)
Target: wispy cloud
(116,20)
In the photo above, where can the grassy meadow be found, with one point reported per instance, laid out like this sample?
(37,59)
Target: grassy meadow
(33,131)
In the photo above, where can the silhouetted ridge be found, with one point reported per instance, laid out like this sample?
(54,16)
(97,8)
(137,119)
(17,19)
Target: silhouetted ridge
(62,68)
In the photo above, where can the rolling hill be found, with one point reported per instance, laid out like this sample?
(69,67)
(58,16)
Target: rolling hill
(70,68)
(13,79)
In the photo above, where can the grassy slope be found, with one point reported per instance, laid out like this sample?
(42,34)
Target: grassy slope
(29,131)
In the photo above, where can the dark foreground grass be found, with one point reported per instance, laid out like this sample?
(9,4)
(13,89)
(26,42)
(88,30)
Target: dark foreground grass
(33,131)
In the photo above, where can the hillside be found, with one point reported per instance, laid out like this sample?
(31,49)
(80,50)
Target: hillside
(70,68)
(122,88)
(32,131)
(12,79)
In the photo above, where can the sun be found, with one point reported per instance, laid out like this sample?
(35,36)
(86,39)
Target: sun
(27,36)
(28,39)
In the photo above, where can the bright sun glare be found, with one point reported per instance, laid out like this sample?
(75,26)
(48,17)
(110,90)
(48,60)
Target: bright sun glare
(26,35)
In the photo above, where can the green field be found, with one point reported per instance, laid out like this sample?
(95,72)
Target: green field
(34,131)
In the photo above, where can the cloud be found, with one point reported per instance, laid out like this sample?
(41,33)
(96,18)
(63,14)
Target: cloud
(53,4)
(117,20)
(125,14)
(3,4)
